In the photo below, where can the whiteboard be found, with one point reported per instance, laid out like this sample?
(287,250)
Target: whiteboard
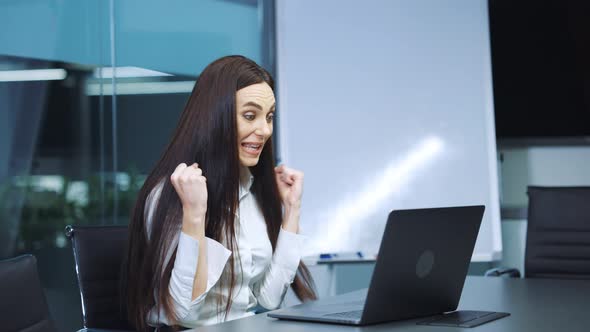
(386,105)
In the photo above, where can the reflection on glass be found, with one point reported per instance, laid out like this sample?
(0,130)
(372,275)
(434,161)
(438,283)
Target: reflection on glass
(56,148)
(32,75)
(138,81)
(125,72)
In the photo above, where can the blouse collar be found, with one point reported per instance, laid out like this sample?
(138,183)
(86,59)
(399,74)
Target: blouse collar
(246,180)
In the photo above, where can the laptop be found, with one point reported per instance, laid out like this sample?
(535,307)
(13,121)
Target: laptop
(420,271)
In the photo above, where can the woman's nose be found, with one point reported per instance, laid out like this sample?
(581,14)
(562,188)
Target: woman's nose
(264,129)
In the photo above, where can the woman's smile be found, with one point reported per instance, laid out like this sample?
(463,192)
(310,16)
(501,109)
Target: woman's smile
(253,149)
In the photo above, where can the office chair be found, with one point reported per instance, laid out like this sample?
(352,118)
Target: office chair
(558,234)
(22,302)
(98,254)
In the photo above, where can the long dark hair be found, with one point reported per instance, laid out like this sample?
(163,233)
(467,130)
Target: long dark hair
(206,134)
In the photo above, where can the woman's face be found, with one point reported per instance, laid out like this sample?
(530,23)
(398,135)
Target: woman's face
(255,108)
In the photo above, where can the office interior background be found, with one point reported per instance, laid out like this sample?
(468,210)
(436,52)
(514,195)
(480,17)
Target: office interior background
(90,92)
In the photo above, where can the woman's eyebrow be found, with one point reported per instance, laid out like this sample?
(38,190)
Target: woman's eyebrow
(253,104)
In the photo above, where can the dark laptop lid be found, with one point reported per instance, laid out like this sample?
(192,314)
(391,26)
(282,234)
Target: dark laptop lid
(422,262)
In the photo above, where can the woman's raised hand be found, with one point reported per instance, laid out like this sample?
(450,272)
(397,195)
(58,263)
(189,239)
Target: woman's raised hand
(191,187)
(290,183)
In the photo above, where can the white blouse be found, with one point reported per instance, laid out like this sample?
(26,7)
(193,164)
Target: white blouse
(263,279)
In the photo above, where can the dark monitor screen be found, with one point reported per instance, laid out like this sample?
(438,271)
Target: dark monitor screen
(541,68)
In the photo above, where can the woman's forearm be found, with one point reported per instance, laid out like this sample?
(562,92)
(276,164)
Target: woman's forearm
(193,225)
(291,218)
(200,283)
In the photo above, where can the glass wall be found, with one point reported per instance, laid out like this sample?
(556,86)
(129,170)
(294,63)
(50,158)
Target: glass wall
(90,92)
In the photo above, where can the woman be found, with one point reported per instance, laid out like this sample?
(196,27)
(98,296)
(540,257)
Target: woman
(214,230)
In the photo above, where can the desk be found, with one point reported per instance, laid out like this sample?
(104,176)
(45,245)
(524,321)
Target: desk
(535,305)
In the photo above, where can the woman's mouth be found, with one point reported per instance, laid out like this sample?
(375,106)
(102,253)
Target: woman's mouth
(252,148)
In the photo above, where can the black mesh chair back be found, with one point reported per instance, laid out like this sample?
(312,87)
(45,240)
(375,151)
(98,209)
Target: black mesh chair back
(98,254)
(22,302)
(558,233)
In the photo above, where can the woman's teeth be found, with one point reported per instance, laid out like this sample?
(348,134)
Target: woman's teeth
(252,147)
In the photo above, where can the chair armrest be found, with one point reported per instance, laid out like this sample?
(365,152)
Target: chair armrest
(503,272)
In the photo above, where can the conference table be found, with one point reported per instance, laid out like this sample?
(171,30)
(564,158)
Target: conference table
(534,305)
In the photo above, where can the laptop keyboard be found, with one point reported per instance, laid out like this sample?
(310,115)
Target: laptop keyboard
(356,314)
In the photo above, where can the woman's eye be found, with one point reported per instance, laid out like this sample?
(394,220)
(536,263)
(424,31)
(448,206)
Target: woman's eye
(249,116)
(270,117)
